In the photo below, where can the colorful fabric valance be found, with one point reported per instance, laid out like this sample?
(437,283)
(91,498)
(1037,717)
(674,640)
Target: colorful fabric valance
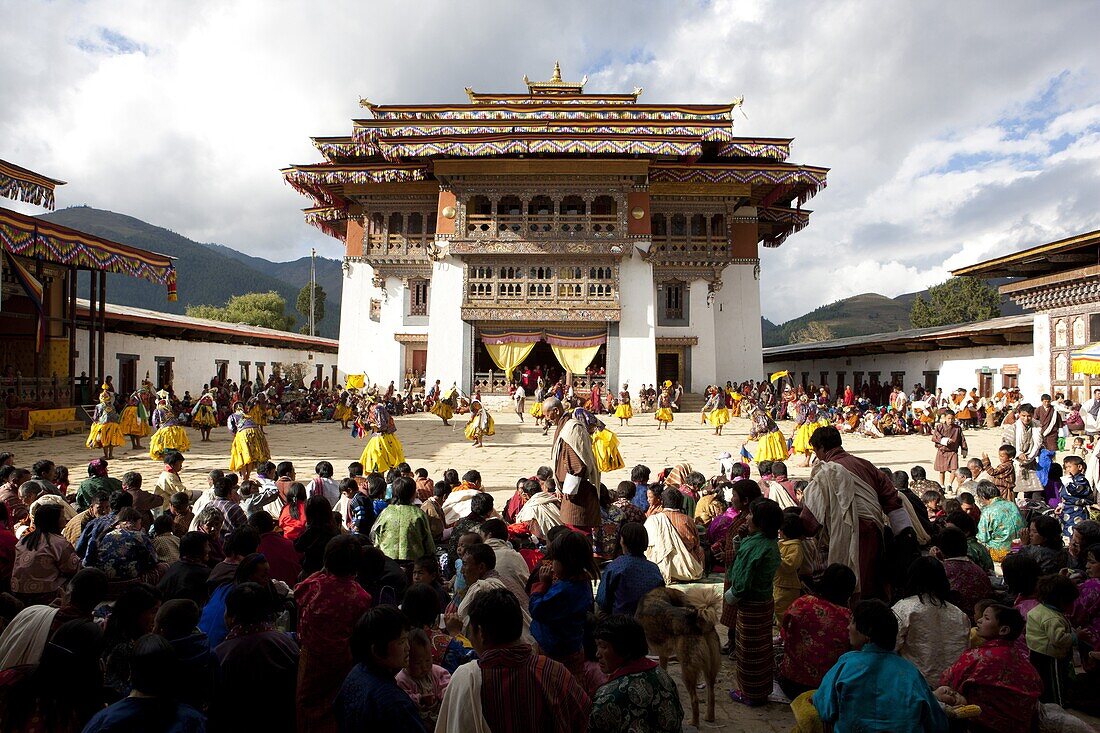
(1087,360)
(551,335)
(19,184)
(35,238)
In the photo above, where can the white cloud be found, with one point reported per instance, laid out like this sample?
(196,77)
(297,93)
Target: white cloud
(951,135)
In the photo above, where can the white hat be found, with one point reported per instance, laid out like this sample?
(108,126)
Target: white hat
(725,461)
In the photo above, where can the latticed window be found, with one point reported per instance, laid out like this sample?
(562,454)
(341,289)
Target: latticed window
(674,302)
(418,297)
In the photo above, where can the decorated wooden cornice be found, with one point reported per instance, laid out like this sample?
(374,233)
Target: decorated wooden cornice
(20,184)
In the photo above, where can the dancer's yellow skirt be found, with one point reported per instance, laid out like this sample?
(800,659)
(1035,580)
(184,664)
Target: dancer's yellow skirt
(605,445)
(721,416)
(735,407)
(341,413)
(382,453)
(258,415)
(443,410)
(249,449)
(473,428)
(772,447)
(104,435)
(624,411)
(205,417)
(166,439)
(130,424)
(663,414)
(536,409)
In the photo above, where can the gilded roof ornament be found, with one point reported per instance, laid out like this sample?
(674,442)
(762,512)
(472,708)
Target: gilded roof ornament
(555,85)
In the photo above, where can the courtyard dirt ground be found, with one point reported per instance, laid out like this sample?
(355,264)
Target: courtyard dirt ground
(516,450)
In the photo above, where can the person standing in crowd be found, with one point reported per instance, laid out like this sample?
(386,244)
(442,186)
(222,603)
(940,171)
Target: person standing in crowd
(575,469)
(949,441)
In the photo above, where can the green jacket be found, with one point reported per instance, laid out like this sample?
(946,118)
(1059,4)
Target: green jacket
(402,532)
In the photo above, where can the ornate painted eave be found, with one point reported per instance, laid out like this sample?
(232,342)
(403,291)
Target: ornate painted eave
(20,184)
(783,223)
(799,182)
(314,180)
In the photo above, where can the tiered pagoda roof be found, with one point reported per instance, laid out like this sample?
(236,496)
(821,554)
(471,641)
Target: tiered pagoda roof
(684,144)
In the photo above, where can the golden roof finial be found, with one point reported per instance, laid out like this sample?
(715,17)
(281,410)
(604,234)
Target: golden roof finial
(557,72)
(555,85)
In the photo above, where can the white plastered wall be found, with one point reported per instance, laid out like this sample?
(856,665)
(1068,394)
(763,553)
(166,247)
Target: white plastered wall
(637,347)
(367,346)
(736,314)
(450,339)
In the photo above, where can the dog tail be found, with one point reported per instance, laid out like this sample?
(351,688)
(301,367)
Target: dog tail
(706,601)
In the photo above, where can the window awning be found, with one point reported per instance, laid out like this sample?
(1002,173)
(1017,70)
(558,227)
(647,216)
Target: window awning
(29,236)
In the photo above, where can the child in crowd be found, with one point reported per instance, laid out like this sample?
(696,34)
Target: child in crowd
(1086,619)
(427,570)
(1021,575)
(765,469)
(970,506)
(1003,475)
(933,502)
(993,676)
(788,583)
(1075,495)
(458,583)
(752,591)
(561,600)
(165,542)
(1078,448)
(423,681)
(629,576)
(1050,636)
(179,508)
(61,479)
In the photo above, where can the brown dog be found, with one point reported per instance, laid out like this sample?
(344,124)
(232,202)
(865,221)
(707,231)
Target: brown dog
(681,624)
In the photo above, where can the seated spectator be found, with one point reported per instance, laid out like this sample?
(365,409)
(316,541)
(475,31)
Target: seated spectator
(255,662)
(125,552)
(969,583)
(252,568)
(1042,541)
(402,530)
(873,688)
(422,680)
(975,550)
(369,699)
(511,568)
(814,631)
(630,576)
(152,704)
(227,499)
(561,600)
(433,509)
(186,578)
(98,508)
(932,632)
(426,570)
(994,678)
(209,521)
(638,695)
(292,518)
(1000,521)
(1050,635)
(31,698)
(44,560)
(476,699)
(97,481)
(238,545)
(479,571)
(165,542)
(144,501)
(279,551)
(541,513)
(179,508)
(132,616)
(674,540)
(177,621)
(320,528)
(481,508)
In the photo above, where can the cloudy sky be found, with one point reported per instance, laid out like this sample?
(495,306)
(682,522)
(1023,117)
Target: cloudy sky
(954,132)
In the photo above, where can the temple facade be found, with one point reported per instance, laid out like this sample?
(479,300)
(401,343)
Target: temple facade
(589,235)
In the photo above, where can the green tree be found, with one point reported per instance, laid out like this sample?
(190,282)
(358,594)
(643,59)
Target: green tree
(318,306)
(958,300)
(267,310)
(813,331)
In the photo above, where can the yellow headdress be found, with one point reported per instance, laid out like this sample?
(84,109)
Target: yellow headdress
(105,397)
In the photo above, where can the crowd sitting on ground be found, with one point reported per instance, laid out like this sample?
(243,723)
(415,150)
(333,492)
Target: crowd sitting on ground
(401,602)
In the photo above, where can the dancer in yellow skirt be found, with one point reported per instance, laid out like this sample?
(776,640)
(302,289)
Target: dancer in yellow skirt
(444,407)
(735,398)
(623,410)
(135,421)
(204,416)
(479,425)
(249,447)
(257,410)
(807,420)
(168,434)
(105,432)
(663,415)
(771,445)
(384,450)
(716,412)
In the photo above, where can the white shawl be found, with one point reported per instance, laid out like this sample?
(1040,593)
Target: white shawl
(838,499)
(667,550)
(461,708)
(576,435)
(457,505)
(25,637)
(488,584)
(544,509)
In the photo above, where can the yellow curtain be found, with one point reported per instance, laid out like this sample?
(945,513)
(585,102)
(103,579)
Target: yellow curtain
(509,356)
(575,360)
(355,381)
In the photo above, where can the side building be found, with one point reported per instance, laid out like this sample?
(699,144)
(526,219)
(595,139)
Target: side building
(581,234)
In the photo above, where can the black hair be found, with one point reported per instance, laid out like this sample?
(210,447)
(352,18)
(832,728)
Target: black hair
(747,492)
(779,468)
(481,504)
(791,526)
(640,474)
(671,498)
(574,551)
(928,581)
(918,473)
(343,555)
(767,516)
(404,490)
(119,500)
(248,604)
(47,521)
(825,438)
(451,477)
(472,476)
(180,500)
(154,666)
(177,618)
(1008,450)
(242,541)
(248,566)
(323,469)
(837,584)
(626,490)
(635,538)
(987,490)
(295,497)
(421,473)
(1057,590)
(625,635)
(421,604)
(261,521)
(192,543)
(131,480)
(494,529)
(355,468)
(349,485)
(88,588)
(1010,617)
(374,631)
(441,490)
(875,620)
(952,542)
(1050,529)
(482,554)
(965,497)
(41,466)
(496,614)
(376,485)
(163,524)
(1021,573)
(531,487)
(172,457)
(959,518)
(132,603)
(764,467)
